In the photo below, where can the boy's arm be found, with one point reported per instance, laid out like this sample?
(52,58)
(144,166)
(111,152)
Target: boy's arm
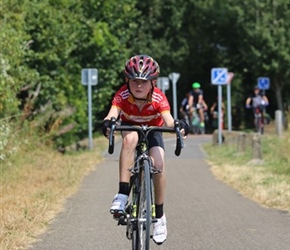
(114,112)
(168,119)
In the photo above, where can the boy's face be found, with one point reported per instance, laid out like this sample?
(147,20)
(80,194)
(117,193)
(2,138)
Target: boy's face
(140,88)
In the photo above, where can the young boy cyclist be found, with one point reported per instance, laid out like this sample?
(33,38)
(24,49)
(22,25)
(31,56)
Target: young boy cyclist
(139,102)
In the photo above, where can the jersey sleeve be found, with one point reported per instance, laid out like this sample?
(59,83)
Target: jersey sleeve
(121,95)
(117,100)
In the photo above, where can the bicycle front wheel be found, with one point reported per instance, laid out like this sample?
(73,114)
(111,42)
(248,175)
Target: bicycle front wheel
(144,208)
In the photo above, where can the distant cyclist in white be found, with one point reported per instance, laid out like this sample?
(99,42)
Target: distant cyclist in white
(257,100)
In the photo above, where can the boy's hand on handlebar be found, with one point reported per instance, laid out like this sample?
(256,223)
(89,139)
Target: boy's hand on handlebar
(106,128)
(184,128)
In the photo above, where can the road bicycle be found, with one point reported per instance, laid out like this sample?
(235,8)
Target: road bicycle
(259,118)
(140,210)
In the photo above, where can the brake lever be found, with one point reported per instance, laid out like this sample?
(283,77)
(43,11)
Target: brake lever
(179,140)
(112,136)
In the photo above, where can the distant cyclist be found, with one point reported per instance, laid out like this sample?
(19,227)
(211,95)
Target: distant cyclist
(196,101)
(257,101)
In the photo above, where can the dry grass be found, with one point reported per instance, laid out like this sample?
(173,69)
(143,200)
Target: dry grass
(272,191)
(34,188)
(268,183)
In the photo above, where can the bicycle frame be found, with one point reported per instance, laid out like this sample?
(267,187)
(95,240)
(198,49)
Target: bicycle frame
(138,220)
(259,120)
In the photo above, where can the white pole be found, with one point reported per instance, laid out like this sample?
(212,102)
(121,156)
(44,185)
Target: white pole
(220,114)
(174,100)
(90,109)
(278,122)
(229,107)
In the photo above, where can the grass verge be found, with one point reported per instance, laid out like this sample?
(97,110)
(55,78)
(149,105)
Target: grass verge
(34,185)
(267,183)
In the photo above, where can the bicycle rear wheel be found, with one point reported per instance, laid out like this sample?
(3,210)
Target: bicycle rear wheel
(144,208)
(258,125)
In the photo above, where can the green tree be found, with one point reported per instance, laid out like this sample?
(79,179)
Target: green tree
(265,49)
(68,36)
(14,47)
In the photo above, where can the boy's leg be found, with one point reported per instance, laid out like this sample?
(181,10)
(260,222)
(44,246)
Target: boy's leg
(126,160)
(157,154)
(127,154)
(156,151)
(159,227)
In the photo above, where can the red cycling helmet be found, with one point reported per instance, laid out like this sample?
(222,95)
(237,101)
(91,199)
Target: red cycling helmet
(141,67)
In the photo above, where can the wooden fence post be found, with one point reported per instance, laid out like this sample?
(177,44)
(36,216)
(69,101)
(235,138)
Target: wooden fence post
(256,147)
(242,142)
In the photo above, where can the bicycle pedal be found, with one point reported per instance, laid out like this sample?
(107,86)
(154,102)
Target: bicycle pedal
(122,221)
(117,215)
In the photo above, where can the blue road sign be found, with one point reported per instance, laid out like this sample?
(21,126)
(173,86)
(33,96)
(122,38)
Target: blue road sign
(219,76)
(264,83)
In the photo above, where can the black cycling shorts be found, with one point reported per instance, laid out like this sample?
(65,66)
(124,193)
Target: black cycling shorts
(155,138)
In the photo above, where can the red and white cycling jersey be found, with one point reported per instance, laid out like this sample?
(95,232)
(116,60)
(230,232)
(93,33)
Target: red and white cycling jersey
(149,115)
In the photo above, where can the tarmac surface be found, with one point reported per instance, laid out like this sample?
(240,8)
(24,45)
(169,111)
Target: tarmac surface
(202,212)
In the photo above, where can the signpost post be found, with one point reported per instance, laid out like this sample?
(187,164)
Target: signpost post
(174,78)
(219,77)
(90,78)
(229,111)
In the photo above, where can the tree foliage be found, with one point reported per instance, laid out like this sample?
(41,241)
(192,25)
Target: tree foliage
(45,44)
(15,73)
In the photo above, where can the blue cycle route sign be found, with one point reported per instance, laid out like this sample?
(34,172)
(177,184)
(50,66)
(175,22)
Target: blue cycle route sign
(264,83)
(219,76)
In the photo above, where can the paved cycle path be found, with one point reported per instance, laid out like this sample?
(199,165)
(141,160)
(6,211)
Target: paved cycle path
(202,213)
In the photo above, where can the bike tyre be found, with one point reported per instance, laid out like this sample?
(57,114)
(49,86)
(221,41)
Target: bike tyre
(148,182)
(144,208)
(257,124)
(135,200)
